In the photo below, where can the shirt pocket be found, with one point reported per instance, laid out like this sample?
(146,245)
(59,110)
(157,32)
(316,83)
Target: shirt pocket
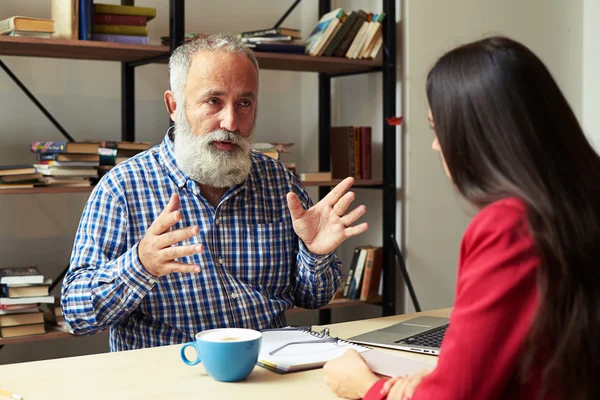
(271,256)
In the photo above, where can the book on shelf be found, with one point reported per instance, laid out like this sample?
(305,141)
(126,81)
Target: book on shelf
(371,275)
(20,178)
(20,23)
(18,169)
(128,39)
(65,14)
(64,147)
(350,148)
(280,31)
(148,12)
(22,319)
(50,170)
(341,33)
(350,275)
(67,157)
(130,30)
(8,301)
(315,176)
(86,12)
(346,41)
(316,36)
(25,290)
(328,35)
(115,19)
(20,275)
(41,35)
(19,309)
(124,145)
(22,330)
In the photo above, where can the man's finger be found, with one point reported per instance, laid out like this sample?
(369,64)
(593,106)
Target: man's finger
(175,266)
(169,216)
(176,236)
(174,252)
(338,191)
(294,205)
(354,215)
(356,230)
(342,205)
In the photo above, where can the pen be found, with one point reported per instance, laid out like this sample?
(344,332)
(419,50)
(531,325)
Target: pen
(11,395)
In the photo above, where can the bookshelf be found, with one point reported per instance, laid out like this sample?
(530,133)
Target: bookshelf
(328,68)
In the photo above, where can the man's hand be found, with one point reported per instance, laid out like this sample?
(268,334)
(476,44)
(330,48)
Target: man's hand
(325,225)
(157,249)
(349,375)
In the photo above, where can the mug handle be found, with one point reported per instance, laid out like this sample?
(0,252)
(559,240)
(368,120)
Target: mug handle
(185,359)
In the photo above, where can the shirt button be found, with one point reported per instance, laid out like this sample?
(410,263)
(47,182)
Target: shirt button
(216,221)
(319,262)
(234,295)
(152,281)
(220,261)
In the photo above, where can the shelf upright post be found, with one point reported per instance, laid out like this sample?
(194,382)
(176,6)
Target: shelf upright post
(127,96)
(389,157)
(324,127)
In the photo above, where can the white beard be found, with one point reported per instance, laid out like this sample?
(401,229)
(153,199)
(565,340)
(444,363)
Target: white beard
(204,163)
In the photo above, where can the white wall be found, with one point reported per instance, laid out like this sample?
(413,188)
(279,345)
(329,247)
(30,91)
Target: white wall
(591,67)
(435,217)
(85,98)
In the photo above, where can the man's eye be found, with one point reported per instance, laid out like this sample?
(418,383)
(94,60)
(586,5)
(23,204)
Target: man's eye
(245,103)
(212,101)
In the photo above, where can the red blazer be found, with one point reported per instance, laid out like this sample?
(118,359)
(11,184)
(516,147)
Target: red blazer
(496,298)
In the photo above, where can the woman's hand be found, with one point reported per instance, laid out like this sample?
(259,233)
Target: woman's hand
(349,376)
(403,387)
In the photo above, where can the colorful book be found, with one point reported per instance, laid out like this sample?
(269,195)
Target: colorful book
(148,12)
(114,19)
(111,38)
(64,147)
(121,30)
(316,36)
(86,13)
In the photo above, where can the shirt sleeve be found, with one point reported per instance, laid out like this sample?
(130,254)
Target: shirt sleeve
(104,284)
(374,392)
(496,299)
(317,277)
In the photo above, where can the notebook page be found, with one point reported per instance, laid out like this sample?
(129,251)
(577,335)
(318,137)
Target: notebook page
(308,354)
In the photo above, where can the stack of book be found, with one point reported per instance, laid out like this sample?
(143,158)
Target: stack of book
(23,289)
(357,35)
(18,176)
(66,163)
(274,40)
(277,150)
(363,281)
(27,27)
(121,24)
(113,152)
(350,148)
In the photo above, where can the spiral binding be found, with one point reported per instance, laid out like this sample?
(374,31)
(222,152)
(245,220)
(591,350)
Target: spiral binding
(325,333)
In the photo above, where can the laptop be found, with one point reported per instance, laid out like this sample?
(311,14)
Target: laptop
(419,335)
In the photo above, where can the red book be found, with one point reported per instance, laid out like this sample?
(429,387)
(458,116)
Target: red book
(113,19)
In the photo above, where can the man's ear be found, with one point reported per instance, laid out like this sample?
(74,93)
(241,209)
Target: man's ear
(171,104)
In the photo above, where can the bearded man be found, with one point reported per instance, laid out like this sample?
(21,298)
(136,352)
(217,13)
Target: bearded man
(200,232)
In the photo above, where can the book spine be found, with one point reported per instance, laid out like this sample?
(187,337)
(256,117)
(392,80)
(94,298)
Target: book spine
(148,12)
(48,147)
(114,19)
(364,292)
(344,45)
(351,272)
(85,19)
(121,30)
(101,37)
(260,32)
(365,152)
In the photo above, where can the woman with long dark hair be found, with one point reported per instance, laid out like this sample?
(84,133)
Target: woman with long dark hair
(526,319)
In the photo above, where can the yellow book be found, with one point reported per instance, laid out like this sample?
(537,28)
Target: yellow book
(121,29)
(18,23)
(149,12)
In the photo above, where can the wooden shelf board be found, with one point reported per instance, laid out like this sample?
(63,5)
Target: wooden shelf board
(330,65)
(52,333)
(93,50)
(358,182)
(42,190)
(78,49)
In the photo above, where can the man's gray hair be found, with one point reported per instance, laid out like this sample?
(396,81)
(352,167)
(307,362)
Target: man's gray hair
(179,63)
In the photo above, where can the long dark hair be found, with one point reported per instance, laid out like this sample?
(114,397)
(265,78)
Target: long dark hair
(506,130)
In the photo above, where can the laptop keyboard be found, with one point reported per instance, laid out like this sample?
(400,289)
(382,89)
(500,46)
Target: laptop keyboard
(432,338)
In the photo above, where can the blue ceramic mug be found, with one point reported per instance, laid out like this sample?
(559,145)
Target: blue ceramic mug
(228,354)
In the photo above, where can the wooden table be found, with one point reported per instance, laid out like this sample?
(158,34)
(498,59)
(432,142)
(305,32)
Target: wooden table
(158,373)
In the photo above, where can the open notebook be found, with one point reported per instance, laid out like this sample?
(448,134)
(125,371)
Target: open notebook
(292,349)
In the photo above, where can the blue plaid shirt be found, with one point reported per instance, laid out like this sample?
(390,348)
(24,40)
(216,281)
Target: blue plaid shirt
(253,269)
